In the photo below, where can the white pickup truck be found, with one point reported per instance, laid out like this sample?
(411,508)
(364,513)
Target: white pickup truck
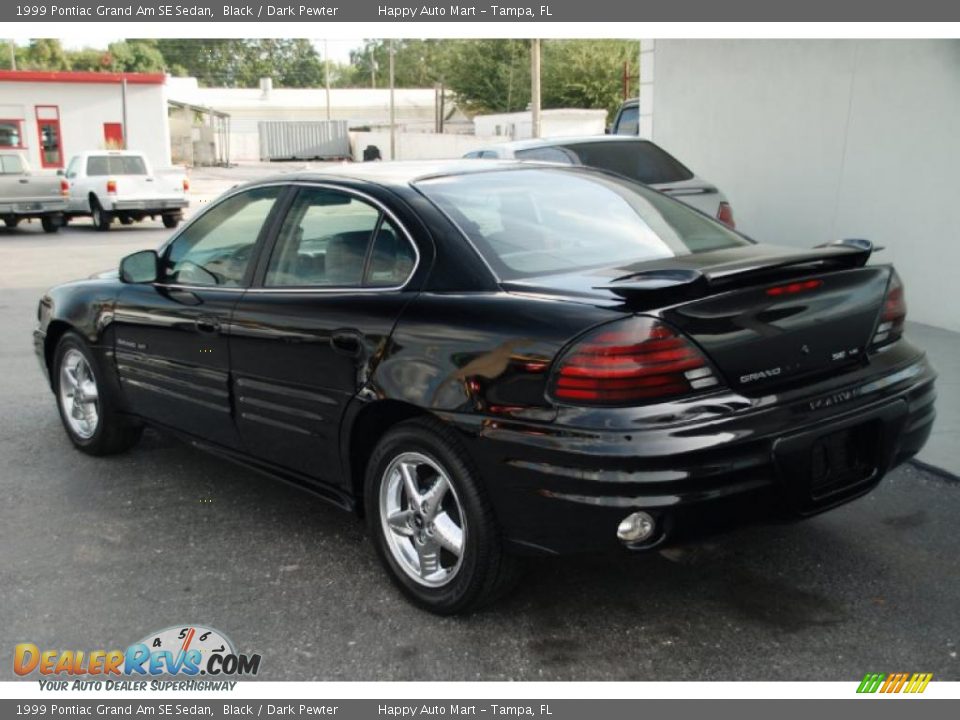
(120,184)
(25,196)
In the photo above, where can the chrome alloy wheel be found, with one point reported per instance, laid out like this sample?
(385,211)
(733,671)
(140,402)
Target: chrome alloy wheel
(422,519)
(78,395)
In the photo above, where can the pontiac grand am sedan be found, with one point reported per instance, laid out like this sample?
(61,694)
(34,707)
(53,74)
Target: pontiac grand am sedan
(488,359)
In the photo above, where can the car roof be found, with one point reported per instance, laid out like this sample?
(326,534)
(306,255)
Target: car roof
(555,141)
(399,172)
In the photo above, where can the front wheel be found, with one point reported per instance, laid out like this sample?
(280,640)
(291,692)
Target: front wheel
(432,525)
(89,408)
(171,221)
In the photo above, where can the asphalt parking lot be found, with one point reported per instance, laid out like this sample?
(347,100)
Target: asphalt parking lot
(96,553)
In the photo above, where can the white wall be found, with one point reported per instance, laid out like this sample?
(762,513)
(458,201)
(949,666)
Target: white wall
(84,108)
(418,146)
(815,140)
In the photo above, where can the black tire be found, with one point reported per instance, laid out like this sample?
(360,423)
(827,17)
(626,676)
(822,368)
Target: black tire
(11,222)
(101,218)
(50,224)
(486,571)
(171,221)
(114,431)
(126,220)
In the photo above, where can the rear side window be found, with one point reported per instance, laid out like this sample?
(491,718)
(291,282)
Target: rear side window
(99,165)
(638,160)
(629,121)
(11,165)
(543,221)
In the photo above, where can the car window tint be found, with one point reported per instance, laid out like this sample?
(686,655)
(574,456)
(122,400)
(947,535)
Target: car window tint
(547,154)
(638,160)
(11,165)
(216,248)
(629,121)
(98,165)
(323,241)
(391,258)
(541,221)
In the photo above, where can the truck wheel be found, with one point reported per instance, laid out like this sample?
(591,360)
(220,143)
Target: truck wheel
(11,222)
(50,224)
(126,220)
(101,218)
(171,221)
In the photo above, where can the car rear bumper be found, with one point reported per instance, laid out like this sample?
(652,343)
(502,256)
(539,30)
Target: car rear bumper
(32,208)
(560,489)
(149,205)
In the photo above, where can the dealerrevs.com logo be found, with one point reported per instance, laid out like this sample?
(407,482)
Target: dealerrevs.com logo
(186,651)
(892,683)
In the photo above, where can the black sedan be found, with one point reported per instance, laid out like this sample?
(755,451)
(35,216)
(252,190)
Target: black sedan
(493,359)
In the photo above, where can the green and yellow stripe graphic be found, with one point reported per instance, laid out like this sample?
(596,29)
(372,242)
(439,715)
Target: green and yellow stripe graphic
(894,682)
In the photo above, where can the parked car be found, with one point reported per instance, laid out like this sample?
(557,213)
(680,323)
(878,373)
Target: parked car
(108,184)
(489,359)
(627,121)
(26,196)
(635,158)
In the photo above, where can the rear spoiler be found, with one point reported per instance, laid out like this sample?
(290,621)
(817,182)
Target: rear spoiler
(676,284)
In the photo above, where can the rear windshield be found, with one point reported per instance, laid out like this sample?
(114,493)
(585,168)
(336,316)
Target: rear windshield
(542,221)
(638,160)
(115,165)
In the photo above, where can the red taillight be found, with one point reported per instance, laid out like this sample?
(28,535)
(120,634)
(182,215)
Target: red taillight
(111,187)
(893,315)
(630,361)
(64,187)
(186,184)
(725,214)
(794,287)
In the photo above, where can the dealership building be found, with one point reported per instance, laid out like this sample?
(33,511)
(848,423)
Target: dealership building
(52,116)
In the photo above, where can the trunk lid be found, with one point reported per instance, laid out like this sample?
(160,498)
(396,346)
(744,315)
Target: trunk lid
(765,316)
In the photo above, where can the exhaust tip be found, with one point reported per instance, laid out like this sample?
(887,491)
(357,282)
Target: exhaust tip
(636,527)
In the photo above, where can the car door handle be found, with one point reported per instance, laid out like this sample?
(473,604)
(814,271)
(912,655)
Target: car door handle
(208,325)
(346,343)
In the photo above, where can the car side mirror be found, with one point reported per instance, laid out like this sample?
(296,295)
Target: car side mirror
(140,267)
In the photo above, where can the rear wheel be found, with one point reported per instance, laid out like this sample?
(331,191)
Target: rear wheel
(11,222)
(101,218)
(432,525)
(89,408)
(50,224)
(171,221)
(126,220)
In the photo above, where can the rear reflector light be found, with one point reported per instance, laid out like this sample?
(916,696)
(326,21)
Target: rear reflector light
(186,184)
(893,314)
(112,187)
(794,287)
(64,188)
(725,214)
(629,362)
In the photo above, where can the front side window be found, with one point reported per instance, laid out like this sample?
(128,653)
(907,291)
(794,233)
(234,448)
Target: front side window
(542,221)
(332,239)
(11,133)
(215,250)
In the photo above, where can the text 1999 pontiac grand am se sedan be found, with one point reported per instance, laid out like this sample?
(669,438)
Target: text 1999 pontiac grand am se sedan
(489,359)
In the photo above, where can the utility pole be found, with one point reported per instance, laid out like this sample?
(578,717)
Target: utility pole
(535,87)
(123,100)
(393,110)
(326,72)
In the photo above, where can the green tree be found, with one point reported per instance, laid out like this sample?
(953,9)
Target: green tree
(133,56)
(586,73)
(43,54)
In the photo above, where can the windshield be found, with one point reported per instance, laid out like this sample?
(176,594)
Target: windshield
(543,221)
(636,159)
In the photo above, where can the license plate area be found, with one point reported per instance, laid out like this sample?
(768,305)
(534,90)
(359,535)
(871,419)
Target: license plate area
(842,459)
